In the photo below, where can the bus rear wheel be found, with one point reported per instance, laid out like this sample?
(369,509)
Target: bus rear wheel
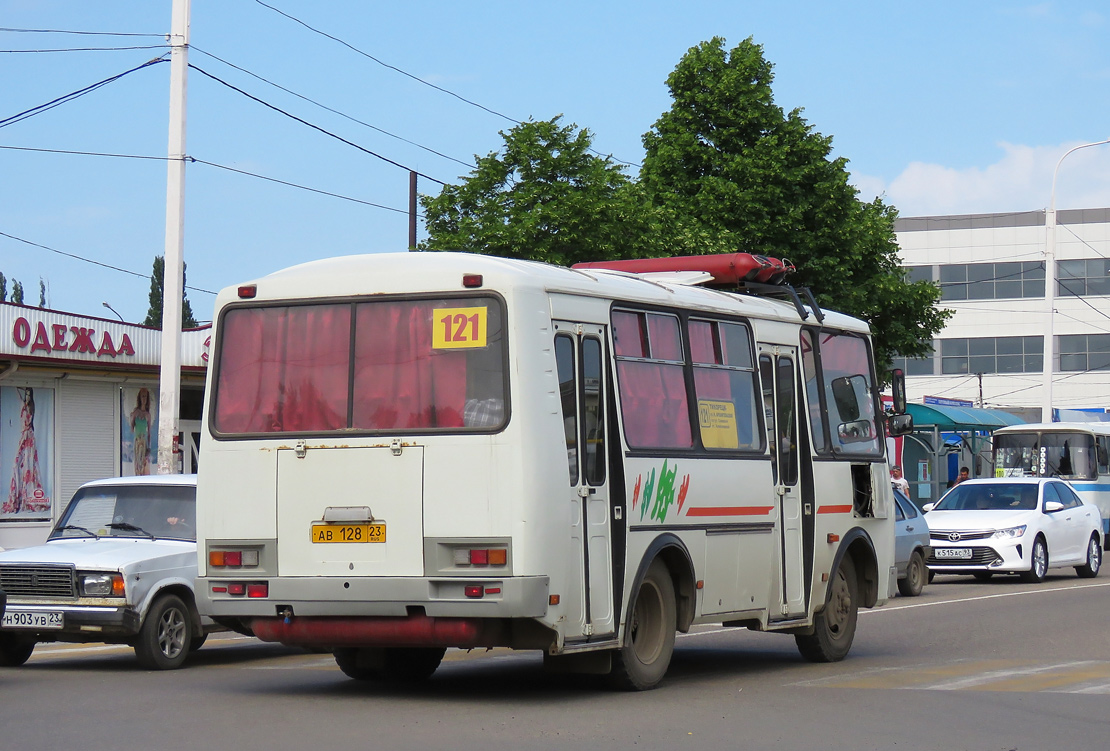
(649,639)
(389,664)
(834,628)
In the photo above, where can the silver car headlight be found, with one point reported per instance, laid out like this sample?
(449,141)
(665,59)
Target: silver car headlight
(1009,533)
(101,585)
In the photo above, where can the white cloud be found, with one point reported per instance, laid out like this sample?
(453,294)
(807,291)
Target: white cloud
(1020,181)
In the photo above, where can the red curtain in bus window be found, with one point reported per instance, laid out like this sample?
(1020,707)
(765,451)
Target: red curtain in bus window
(283,369)
(663,335)
(400,380)
(708,384)
(653,405)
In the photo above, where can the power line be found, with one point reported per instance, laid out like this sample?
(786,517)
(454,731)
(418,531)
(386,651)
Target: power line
(214,164)
(74,94)
(387,65)
(95,263)
(334,111)
(88,49)
(417,78)
(85,153)
(314,127)
(86,33)
(301,187)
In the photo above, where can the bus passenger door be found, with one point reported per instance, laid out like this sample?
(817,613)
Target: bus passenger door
(777,372)
(579,353)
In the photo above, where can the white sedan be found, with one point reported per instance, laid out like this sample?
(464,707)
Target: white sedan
(118,567)
(1014,525)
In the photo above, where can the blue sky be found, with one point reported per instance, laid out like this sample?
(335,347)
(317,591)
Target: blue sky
(942,107)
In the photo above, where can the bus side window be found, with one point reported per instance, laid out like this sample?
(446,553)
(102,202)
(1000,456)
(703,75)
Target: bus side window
(1103,450)
(564,361)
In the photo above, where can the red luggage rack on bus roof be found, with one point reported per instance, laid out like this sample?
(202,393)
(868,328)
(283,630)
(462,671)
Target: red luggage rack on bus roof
(755,274)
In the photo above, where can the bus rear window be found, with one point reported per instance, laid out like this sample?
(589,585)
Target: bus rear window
(396,365)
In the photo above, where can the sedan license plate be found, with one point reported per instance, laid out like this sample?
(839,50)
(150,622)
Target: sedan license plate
(957,553)
(31,619)
(361,532)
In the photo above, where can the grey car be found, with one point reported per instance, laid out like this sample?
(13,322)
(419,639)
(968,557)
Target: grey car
(911,545)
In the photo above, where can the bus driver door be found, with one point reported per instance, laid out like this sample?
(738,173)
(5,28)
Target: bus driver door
(579,355)
(777,372)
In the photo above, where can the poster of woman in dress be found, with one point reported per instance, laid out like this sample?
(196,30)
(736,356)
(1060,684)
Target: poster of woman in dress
(26,452)
(138,432)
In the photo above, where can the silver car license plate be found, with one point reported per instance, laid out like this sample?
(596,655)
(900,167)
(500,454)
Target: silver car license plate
(37,619)
(956,553)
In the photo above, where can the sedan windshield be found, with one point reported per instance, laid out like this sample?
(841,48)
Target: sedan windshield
(995,496)
(130,511)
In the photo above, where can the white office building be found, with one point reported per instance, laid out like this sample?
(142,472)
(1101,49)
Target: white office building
(991,270)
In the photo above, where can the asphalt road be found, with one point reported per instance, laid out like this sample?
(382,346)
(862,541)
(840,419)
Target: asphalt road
(1000,665)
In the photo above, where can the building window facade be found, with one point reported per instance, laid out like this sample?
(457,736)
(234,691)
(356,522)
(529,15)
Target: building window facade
(1004,354)
(1090,277)
(1082,352)
(992,281)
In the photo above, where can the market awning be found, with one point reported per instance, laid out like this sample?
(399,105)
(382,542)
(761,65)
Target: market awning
(960,418)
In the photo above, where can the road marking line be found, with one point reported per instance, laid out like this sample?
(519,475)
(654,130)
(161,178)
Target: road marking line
(890,609)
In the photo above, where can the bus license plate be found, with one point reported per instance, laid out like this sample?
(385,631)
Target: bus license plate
(31,619)
(958,553)
(348,532)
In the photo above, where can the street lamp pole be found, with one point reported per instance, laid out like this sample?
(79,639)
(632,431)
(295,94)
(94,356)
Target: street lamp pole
(1050,284)
(109,307)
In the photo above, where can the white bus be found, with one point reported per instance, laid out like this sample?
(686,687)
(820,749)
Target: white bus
(1078,452)
(410,452)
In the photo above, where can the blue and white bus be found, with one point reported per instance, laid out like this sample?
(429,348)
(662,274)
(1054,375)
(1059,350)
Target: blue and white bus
(1078,452)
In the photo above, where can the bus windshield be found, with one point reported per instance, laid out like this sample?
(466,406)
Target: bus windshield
(393,365)
(1068,455)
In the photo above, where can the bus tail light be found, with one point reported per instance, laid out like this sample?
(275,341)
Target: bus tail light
(233,558)
(480,556)
(238,589)
(474,590)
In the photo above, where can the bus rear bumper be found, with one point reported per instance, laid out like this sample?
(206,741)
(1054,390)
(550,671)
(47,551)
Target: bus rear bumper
(342,597)
(407,631)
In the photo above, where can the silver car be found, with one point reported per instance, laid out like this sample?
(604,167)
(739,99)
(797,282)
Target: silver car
(118,567)
(911,545)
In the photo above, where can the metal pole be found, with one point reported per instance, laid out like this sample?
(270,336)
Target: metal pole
(1050,285)
(169,379)
(412,210)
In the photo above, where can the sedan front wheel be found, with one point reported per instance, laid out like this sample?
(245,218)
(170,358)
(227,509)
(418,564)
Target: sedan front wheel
(1038,567)
(1090,569)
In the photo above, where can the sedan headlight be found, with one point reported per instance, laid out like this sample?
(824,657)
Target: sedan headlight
(101,585)
(1009,533)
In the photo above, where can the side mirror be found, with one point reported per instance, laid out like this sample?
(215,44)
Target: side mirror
(899,424)
(1051,507)
(928,507)
(898,390)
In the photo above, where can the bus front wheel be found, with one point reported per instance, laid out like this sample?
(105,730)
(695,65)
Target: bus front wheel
(834,628)
(649,640)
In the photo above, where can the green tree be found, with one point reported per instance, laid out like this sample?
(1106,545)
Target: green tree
(731,172)
(157,285)
(3,287)
(542,196)
(42,293)
(17,292)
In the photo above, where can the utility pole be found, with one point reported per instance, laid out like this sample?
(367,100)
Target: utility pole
(173,282)
(980,377)
(412,210)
